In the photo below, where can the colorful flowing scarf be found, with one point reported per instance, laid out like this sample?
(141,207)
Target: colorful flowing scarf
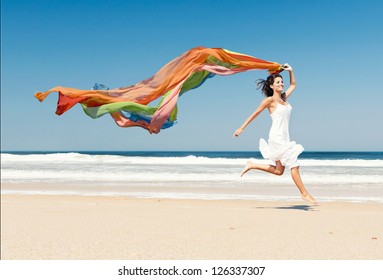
(128,106)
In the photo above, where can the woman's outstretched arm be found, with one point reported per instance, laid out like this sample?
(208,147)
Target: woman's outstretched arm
(264,104)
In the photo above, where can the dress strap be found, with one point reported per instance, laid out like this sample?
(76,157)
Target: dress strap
(286,103)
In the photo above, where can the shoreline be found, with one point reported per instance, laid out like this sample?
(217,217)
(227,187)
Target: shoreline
(256,192)
(71,227)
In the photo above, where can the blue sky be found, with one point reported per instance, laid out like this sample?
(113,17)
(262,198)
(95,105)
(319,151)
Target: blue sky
(335,48)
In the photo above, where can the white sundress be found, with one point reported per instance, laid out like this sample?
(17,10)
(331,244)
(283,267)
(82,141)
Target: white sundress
(279,146)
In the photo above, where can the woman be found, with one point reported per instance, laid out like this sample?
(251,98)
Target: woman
(279,147)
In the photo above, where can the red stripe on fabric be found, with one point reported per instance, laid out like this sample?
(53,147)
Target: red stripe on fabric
(64,103)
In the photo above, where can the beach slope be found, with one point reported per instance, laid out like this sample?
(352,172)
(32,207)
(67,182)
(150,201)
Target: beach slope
(94,227)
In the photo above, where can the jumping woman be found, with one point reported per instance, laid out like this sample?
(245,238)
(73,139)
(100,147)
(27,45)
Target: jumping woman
(279,148)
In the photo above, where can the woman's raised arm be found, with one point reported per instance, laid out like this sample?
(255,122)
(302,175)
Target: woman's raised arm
(293,84)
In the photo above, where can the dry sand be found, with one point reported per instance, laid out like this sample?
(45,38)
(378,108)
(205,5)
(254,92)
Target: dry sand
(79,227)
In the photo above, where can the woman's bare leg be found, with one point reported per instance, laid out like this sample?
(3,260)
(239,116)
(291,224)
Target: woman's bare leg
(278,169)
(298,181)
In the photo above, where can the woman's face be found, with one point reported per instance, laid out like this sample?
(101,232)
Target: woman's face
(278,85)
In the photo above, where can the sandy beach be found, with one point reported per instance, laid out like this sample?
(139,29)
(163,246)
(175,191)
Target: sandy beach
(95,227)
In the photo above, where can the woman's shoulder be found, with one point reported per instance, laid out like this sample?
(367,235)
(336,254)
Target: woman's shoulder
(268,100)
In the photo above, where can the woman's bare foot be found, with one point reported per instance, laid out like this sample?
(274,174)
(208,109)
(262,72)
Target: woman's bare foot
(309,198)
(247,167)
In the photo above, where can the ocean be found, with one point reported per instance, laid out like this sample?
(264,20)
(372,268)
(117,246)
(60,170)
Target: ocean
(329,176)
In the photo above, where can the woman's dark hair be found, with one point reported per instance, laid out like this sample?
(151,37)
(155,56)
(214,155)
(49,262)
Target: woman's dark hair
(264,85)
